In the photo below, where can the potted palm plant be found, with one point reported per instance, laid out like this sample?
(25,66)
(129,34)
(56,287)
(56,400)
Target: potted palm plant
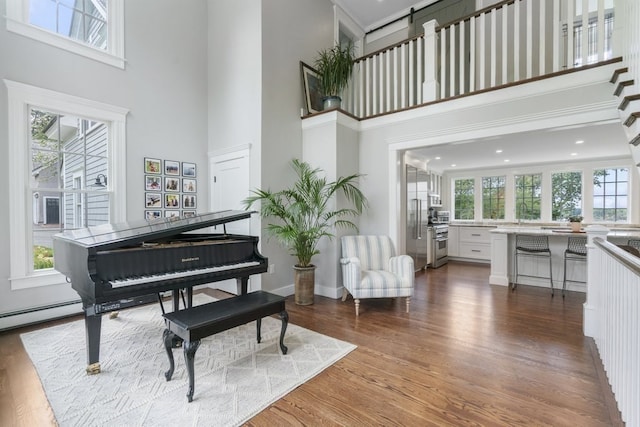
(334,67)
(304,214)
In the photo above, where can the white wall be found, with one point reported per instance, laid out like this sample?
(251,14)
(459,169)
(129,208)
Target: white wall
(163,86)
(255,95)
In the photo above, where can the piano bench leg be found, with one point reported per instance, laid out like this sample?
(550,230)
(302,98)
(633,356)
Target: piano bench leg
(189,356)
(258,327)
(284,316)
(168,338)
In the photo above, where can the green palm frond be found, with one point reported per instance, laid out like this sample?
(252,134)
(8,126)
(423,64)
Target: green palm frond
(303,212)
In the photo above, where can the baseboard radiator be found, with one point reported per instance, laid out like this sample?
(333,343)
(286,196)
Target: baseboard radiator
(612,318)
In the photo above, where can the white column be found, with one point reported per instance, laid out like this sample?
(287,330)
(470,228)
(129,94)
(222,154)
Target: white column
(430,86)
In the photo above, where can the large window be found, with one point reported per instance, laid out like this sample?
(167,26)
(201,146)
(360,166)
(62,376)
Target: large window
(493,197)
(567,195)
(610,194)
(69,167)
(61,166)
(464,198)
(92,28)
(528,189)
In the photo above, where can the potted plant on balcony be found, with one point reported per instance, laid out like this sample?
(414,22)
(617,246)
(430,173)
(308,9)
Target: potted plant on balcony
(575,222)
(304,214)
(334,67)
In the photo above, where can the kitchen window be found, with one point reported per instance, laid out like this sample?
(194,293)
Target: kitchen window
(91,28)
(566,196)
(610,194)
(493,190)
(464,198)
(528,190)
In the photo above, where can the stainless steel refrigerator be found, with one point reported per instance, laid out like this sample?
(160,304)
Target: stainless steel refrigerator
(417,216)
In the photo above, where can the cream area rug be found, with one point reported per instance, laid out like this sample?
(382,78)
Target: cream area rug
(235,377)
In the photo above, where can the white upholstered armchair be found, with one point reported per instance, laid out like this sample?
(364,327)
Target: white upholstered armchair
(371,269)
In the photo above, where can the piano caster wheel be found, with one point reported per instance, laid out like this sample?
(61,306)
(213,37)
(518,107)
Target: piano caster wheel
(113,314)
(93,369)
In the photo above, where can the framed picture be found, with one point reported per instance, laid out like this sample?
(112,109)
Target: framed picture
(152,165)
(311,86)
(172,214)
(188,185)
(189,201)
(188,214)
(171,184)
(152,200)
(152,215)
(171,201)
(152,183)
(189,169)
(171,167)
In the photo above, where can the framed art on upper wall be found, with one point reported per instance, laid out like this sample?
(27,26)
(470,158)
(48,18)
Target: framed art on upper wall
(189,169)
(171,167)
(311,86)
(152,165)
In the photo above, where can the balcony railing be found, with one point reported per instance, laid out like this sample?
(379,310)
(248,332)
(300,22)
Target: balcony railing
(508,42)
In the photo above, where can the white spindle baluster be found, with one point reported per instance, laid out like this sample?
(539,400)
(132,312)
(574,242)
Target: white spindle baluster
(403,76)
(374,81)
(482,51)
(571,15)
(542,38)
(443,62)
(585,32)
(388,79)
(396,95)
(516,41)
(494,47)
(472,54)
(381,79)
(452,60)
(529,35)
(412,76)
(367,87)
(461,58)
(420,68)
(600,30)
(505,50)
(555,44)
(361,90)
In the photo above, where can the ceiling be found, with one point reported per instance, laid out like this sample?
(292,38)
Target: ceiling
(370,14)
(600,141)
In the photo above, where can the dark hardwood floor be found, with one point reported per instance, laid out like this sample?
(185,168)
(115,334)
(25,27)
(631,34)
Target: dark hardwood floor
(467,354)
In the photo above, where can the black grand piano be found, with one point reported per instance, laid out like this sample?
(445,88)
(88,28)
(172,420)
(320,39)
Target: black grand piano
(115,266)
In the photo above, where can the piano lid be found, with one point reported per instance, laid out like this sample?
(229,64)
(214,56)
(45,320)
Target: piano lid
(136,231)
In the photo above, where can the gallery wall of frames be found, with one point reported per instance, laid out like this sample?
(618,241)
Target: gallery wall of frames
(170,189)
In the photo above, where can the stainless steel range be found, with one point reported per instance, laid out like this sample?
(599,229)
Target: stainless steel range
(440,245)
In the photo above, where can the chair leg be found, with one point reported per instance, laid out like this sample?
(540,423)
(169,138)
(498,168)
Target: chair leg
(408,302)
(564,277)
(550,276)
(515,279)
(344,294)
(357,301)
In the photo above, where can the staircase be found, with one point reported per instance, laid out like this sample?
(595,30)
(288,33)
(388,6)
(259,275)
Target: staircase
(625,89)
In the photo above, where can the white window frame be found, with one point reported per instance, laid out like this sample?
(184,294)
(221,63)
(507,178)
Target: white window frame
(20,98)
(18,22)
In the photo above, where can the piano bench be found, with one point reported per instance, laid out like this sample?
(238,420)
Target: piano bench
(194,323)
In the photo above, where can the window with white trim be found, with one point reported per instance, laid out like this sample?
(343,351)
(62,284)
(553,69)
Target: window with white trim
(566,197)
(61,150)
(528,194)
(610,194)
(92,28)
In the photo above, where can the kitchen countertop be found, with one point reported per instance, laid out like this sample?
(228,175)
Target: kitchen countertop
(562,231)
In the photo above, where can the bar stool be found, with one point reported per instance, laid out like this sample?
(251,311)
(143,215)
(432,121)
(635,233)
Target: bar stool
(576,251)
(634,243)
(535,247)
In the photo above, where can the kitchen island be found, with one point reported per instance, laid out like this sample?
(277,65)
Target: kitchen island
(503,247)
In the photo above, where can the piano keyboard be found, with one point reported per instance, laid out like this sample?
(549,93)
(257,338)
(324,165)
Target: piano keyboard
(178,274)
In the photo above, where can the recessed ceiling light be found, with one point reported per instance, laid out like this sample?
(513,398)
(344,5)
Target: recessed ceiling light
(437,157)
(506,160)
(574,154)
(498,151)
(453,165)
(579,141)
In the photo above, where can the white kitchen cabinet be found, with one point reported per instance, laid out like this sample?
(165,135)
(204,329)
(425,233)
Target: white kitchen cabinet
(453,241)
(474,243)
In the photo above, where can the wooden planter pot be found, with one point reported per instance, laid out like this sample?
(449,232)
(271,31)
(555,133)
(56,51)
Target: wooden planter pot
(304,279)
